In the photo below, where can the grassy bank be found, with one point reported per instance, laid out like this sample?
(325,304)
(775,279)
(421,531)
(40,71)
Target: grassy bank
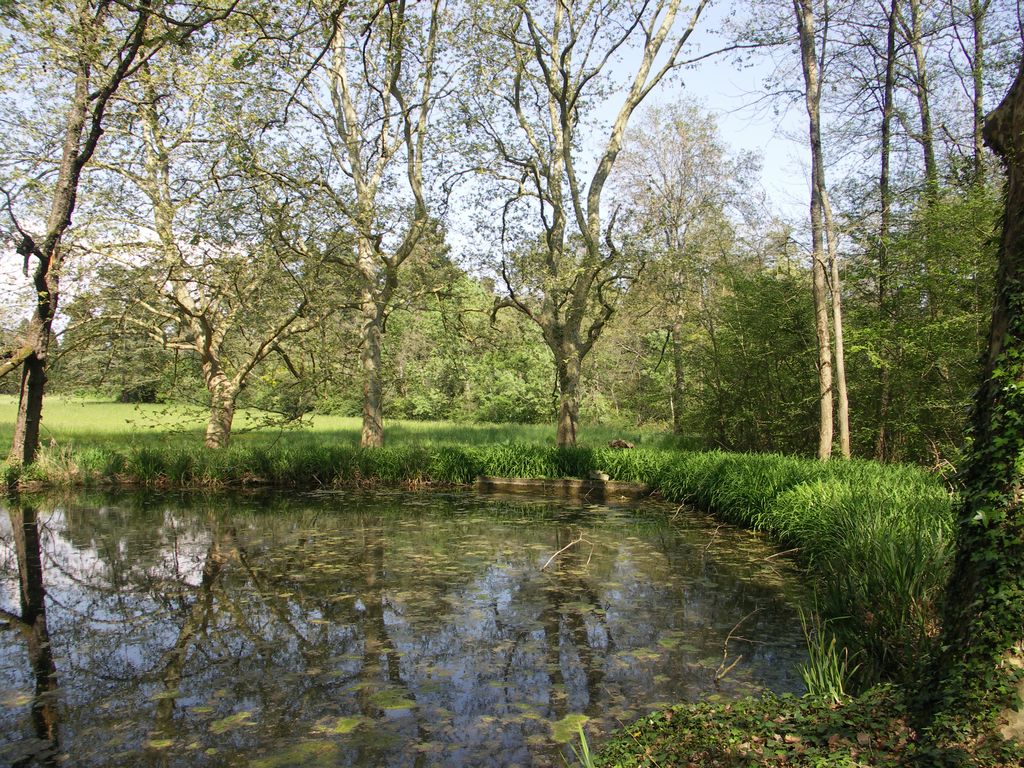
(808,732)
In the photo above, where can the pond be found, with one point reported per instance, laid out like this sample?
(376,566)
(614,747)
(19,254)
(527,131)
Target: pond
(370,628)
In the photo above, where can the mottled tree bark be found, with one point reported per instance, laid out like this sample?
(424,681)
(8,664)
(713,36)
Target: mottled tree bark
(370,360)
(568,371)
(223,394)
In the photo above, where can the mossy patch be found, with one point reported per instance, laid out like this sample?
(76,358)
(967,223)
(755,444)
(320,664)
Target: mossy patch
(338,726)
(568,727)
(305,753)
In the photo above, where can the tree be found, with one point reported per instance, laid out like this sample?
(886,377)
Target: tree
(92,48)
(823,234)
(679,183)
(228,280)
(365,92)
(545,67)
(979,684)
(915,35)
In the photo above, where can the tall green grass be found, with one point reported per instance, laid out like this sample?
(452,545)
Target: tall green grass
(877,539)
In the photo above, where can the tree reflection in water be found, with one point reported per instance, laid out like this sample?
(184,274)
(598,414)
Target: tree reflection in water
(42,746)
(387,630)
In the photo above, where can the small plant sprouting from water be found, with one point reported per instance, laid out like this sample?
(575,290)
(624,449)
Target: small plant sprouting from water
(827,671)
(582,753)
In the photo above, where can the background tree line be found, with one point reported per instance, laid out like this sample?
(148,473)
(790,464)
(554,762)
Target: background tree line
(425,210)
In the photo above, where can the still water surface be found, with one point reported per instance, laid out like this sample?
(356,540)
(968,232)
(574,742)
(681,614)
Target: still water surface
(370,629)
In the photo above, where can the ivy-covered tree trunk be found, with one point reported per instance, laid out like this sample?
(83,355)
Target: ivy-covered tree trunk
(979,673)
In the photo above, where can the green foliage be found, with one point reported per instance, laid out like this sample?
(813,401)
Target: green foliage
(927,330)
(582,753)
(811,732)
(877,538)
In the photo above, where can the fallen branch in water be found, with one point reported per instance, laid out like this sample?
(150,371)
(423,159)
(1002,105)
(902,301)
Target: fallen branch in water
(714,536)
(579,540)
(724,668)
(780,554)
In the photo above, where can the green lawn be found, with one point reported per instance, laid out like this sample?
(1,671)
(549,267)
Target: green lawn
(83,421)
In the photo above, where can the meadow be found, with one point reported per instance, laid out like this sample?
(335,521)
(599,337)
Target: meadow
(84,421)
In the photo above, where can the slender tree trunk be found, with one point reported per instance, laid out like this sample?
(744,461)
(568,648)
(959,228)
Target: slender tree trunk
(82,133)
(46,279)
(678,376)
(922,86)
(978,673)
(842,399)
(567,367)
(819,278)
(885,225)
(978,11)
(223,395)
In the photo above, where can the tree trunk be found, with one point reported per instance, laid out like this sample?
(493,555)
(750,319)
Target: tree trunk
(82,132)
(885,223)
(373,415)
(567,367)
(223,394)
(678,376)
(884,400)
(25,444)
(978,674)
(842,399)
(819,282)
(921,85)
(978,11)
